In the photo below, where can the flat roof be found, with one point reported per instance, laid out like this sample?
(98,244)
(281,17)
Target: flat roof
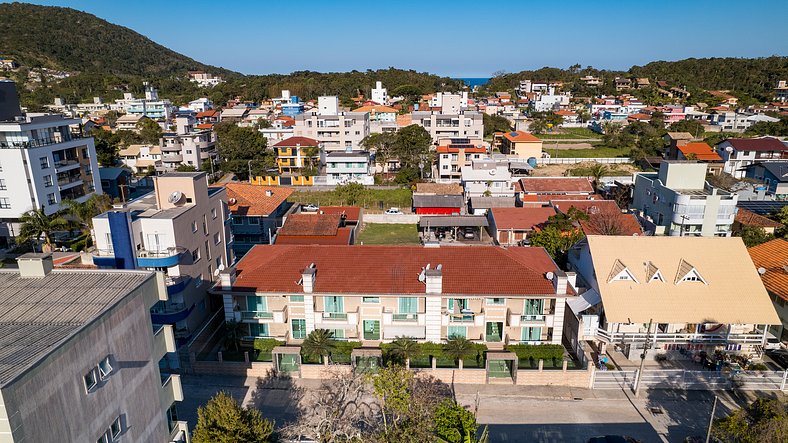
(450,221)
(37,315)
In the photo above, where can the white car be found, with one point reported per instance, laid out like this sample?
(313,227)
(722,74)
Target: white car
(393,211)
(310,208)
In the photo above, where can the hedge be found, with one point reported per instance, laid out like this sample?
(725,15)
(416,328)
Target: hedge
(529,355)
(340,354)
(422,360)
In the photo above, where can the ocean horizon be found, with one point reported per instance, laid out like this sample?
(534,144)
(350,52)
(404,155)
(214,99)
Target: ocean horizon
(474,81)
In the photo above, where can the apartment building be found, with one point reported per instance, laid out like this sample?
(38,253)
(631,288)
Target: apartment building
(150,106)
(181,229)
(738,153)
(257,212)
(668,296)
(379,94)
(487,178)
(450,125)
(42,163)
(455,154)
(348,167)
(679,201)
(188,146)
(296,153)
(204,79)
(335,130)
(141,159)
(79,357)
(378,293)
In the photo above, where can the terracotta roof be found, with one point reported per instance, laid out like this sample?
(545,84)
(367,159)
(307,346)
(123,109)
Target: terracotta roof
(296,141)
(520,137)
(439,188)
(471,150)
(556,184)
(352,213)
(757,144)
(376,109)
(639,116)
(565,113)
(342,237)
(204,126)
(587,206)
(615,223)
(750,218)
(286,121)
(208,113)
(248,199)
(700,150)
(404,119)
(310,224)
(395,269)
(773,257)
(547,198)
(520,218)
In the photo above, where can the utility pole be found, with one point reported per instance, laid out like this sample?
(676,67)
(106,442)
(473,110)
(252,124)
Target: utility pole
(249,164)
(711,419)
(643,359)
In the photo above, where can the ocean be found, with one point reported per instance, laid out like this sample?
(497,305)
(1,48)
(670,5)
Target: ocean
(474,81)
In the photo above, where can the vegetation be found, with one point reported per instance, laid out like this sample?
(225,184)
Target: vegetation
(422,358)
(379,199)
(36,224)
(242,150)
(458,348)
(84,212)
(778,129)
(410,145)
(455,424)
(763,421)
(404,349)
(495,123)
(233,333)
(319,343)
(385,234)
(753,235)
(544,121)
(529,355)
(223,420)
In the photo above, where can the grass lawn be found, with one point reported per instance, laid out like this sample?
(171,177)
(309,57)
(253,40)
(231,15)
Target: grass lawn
(566,133)
(374,199)
(595,152)
(385,234)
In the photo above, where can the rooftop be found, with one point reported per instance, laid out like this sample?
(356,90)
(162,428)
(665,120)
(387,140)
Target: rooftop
(247,199)
(351,213)
(521,218)
(37,315)
(772,256)
(749,218)
(520,137)
(439,188)
(556,185)
(310,224)
(757,144)
(395,269)
(701,151)
(297,141)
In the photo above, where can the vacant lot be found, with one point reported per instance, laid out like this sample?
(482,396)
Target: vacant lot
(568,133)
(385,234)
(596,151)
(374,200)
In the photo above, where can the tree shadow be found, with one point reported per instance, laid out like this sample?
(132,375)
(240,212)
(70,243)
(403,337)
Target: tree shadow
(278,397)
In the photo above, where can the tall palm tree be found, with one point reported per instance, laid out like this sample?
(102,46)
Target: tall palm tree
(405,348)
(36,224)
(233,332)
(597,171)
(458,348)
(84,212)
(319,342)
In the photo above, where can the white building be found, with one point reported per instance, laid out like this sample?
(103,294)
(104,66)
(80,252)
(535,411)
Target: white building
(486,178)
(42,162)
(348,167)
(465,124)
(201,104)
(550,101)
(336,131)
(450,103)
(187,146)
(204,79)
(738,153)
(150,106)
(279,130)
(379,94)
(141,158)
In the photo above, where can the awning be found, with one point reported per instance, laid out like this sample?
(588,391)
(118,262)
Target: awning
(452,221)
(584,301)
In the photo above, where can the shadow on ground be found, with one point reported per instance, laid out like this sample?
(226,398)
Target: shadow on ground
(569,433)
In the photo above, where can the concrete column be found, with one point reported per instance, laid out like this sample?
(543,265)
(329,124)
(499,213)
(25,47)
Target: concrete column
(309,312)
(229,312)
(432,316)
(558,320)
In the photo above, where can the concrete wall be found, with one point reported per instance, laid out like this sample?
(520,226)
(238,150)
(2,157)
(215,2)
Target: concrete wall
(402,219)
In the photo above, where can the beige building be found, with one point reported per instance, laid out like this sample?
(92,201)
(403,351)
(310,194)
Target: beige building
(79,357)
(462,124)
(520,144)
(335,132)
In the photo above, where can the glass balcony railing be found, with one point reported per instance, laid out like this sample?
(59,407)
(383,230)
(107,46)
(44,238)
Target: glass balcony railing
(532,317)
(256,315)
(461,318)
(405,317)
(334,316)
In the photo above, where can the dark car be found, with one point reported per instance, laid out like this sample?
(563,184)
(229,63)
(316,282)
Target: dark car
(613,439)
(779,356)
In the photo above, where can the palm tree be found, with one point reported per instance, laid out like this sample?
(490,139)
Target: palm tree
(597,171)
(36,223)
(458,348)
(405,348)
(84,212)
(233,332)
(319,342)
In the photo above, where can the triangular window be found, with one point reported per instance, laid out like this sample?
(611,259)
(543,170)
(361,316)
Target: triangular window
(653,273)
(688,273)
(620,272)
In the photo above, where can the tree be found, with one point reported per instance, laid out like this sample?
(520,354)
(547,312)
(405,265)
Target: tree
(310,153)
(763,421)
(149,131)
(694,127)
(36,224)
(405,348)
(456,424)
(106,144)
(753,235)
(319,342)
(458,348)
(495,123)
(233,332)
(556,242)
(183,167)
(597,171)
(350,193)
(223,420)
(241,149)
(84,212)
(412,147)
(382,144)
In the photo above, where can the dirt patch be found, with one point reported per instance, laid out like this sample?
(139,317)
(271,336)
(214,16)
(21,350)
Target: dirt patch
(563,170)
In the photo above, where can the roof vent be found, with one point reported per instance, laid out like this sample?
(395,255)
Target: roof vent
(269,193)
(175,197)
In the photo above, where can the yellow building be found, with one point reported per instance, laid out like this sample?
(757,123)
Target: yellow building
(521,144)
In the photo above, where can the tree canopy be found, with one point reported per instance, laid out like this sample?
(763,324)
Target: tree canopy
(223,420)
(243,148)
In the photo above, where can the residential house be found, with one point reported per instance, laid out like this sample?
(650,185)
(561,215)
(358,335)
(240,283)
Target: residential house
(315,228)
(623,83)
(256,212)
(80,357)
(188,145)
(42,163)
(204,79)
(486,178)
(670,297)
(438,199)
(590,80)
(235,114)
(455,155)
(141,159)
(604,217)
(641,83)
(774,176)
(513,226)
(296,153)
(281,129)
(8,63)
(521,144)
(482,205)
(702,153)
(770,259)
(379,113)
(429,294)
(208,117)
(680,202)
(201,105)
(569,117)
(180,229)
(344,167)
(129,122)
(543,189)
(738,153)
(115,182)
(151,106)
(746,218)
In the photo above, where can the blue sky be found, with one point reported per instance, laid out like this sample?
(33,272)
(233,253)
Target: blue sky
(458,38)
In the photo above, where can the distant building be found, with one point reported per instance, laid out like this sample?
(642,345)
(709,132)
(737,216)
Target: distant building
(204,79)
(293,155)
(289,105)
(520,144)
(464,124)
(773,175)
(486,178)
(129,122)
(738,153)
(141,159)
(7,63)
(379,94)
(257,213)
(201,105)
(188,146)
(336,131)
(150,106)
(455,155)
(781,91)
(348,167)
(115,182)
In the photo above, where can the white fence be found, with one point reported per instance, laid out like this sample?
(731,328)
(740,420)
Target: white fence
(401,219)
(614,379)
(572,161)
(692,380)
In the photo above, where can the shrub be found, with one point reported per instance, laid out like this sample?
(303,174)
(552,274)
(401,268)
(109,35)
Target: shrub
(533,353)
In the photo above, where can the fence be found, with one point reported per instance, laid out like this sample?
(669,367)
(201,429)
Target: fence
(572,161)
(692,380)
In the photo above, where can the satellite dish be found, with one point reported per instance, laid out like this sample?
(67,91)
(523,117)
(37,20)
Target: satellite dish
(762,270)
(729,149)
(175,197)
(549,275)
(232,201)
(492,171)
(221,267)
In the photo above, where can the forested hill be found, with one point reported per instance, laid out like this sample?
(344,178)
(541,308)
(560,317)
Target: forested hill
(70,40)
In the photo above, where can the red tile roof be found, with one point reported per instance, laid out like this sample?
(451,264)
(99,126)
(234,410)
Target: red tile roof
(395,269)
(565,113)
(286,121)
(310,224)
(522,219)
(247,199)
(473,150)
(520,137)
(611,223)
(757,144)
(352,213)
(701,151)
(546,185)
(204,126)
(750,218)
(296,141)
(773,256)
(342,237)
(587,206)
(207,114)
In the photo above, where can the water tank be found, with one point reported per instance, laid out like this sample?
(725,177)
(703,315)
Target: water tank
(9,101)
(532,162)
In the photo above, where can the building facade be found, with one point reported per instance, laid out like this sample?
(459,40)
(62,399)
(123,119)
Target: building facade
(440,125)
(738,153)
(348,167)
(187,146)
(257,212)
(335,132)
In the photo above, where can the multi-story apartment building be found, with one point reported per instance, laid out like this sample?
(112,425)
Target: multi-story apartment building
(257,212)
(445,125)
(187,145)
(487,178)
(79,357)
(348,167)
(150,106)
(181,229)
(336,131)
(680,202)
(455,155)
(42,163)
(450,103)
(781,91)
(378,293)
(738,153)
(296,153)
(379,94)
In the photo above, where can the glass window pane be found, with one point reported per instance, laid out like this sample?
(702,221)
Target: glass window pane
(457,331)
(408,305)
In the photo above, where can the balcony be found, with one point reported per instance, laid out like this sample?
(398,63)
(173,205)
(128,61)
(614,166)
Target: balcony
(159,259)
(163,341)
(256,315)
(172,158)
(68,182)
(66,164)
(171,389)
(695,338)
(262,317)
(331,320)
(335,316)
(171,148)
(405,318)
(180,431)
(169,313)
(532,318)
(176,285)
(36,143)
(462,318)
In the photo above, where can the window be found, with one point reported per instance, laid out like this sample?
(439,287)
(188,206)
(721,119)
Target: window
(298,327)
(259,330)
(496,301)
(5,203)
(217,238)
(533,306)
(47,181)
(207,250)
(256,304)
(457,331)
(458,304)
(104,368)
(205,225)
(194,226)
(370,299)
(213,213)
(2,184)
(196,255)
(103,439)
(334,304)
(371,329)
(44,161)
(90,380)
(238,221)
(531,334)
(408,305)
(296,298)
(51,200)
(115,428)
(254,220)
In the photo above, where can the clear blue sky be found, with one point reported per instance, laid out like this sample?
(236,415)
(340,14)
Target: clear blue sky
(458,38)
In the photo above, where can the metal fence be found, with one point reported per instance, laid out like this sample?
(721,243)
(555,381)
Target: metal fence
(614,379)
(571,161)
(693,380)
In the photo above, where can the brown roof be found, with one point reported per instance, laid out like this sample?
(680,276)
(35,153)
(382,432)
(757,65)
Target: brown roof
(376,109)
(773,257)
(611,223)
(700,150)
(439,188)
(556,184)
(342,237)
(395,269)
(587,206)
(749,218)
(208,113)
(352,213)
(680,135)
(521,218)
(248,199)
(310,224)
(757,144)
(296,141)
(520,137)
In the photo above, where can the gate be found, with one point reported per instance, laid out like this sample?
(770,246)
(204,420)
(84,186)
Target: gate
(693,380)
(614,379)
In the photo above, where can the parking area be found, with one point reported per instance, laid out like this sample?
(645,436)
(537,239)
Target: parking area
(454,229)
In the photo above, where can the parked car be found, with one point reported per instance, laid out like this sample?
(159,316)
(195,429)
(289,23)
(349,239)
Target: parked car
(393,211)
(779,356)
(310,208)
(469,234)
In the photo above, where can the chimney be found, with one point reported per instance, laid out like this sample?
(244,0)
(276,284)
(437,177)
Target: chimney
(34,265)
(227,278)
(560,281)
(308,278)
(434,280)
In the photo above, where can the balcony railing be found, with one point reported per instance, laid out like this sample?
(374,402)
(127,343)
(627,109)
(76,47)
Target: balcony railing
(36,143)
(660,337)
(256,315)
(334,316)
(405,317)
(66,162)
(69,180)
(461,318)
(532,317)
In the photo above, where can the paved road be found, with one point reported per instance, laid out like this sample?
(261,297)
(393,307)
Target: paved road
(517,414)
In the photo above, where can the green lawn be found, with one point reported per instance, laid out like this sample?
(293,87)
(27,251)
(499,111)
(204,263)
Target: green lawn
(373,199)
(595,152)
(566,133)
(385,234)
